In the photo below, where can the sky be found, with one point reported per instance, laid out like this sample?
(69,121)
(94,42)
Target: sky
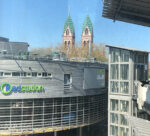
(41,23)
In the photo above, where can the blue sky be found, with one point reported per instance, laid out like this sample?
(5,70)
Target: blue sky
(41,22)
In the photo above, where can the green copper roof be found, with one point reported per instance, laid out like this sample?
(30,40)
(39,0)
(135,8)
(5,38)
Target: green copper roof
(70,24)
(87,22)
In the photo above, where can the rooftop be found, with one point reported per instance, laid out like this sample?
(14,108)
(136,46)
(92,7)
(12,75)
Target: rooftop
(126,48)
(70,24)
(3,39)
(132,11)
(87,22)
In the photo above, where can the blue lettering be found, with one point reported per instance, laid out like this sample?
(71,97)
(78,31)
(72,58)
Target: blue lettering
(19,88)
(14,89)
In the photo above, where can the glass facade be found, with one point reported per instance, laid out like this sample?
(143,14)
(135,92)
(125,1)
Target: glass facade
(119,86)
(119,71)
(114,71)
(125,55)
(115,53)
(124,71)
(118,110)
(114,86)
(27,115)
(125,67)
(114,130)
(114,118)
(114,105)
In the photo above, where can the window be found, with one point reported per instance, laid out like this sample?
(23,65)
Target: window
(44,74)
(68,43)
(1,73)
(67,79)
(7,74)
(114,87)
(115,55)
(29,74)
(34,74)
(65,43)
(23,74)
(39,74)
(124,72)
(86,31)
(114,71)
(124,131)
(113,130)
(125,56)
(15,73)
(124,106)
(123,120)
(84,43)
(49,74)
(114,105)
(124,87)
(114,118)
(67,32)
(141,74)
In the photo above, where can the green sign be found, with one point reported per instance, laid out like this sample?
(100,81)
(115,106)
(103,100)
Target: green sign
(7,88)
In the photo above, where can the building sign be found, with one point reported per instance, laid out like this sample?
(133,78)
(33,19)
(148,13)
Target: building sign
(7,88)
(100,74)
(94,78)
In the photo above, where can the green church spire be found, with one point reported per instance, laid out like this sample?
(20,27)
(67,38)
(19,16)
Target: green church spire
(87,22)
(70,24)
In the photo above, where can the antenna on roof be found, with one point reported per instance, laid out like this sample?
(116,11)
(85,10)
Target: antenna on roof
(87,10)
(68,10)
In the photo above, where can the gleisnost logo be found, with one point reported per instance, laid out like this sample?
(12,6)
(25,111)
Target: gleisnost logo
(6,88)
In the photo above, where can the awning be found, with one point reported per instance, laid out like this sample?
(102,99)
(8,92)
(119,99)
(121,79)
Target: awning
(132,11)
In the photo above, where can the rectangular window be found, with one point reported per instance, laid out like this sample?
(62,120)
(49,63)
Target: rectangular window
(49,74)
(114,71)
(125,56)
(115,55)
(124,131)
(67,79)
(34,74)
(114,118)
(29,74)
(141,72)
(7,74)
(113,130)
(1,73)
(39,74)
(16,74)
(44,74)
(23,74)
(124,87)
(114,87)
(114,105)
(124,71)
(141,58)
(124,106)
(123,120)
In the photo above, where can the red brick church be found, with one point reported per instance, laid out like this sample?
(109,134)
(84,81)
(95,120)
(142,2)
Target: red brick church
(69,33)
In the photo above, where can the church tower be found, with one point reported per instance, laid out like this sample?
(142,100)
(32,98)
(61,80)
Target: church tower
(69,33)
(87,32)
